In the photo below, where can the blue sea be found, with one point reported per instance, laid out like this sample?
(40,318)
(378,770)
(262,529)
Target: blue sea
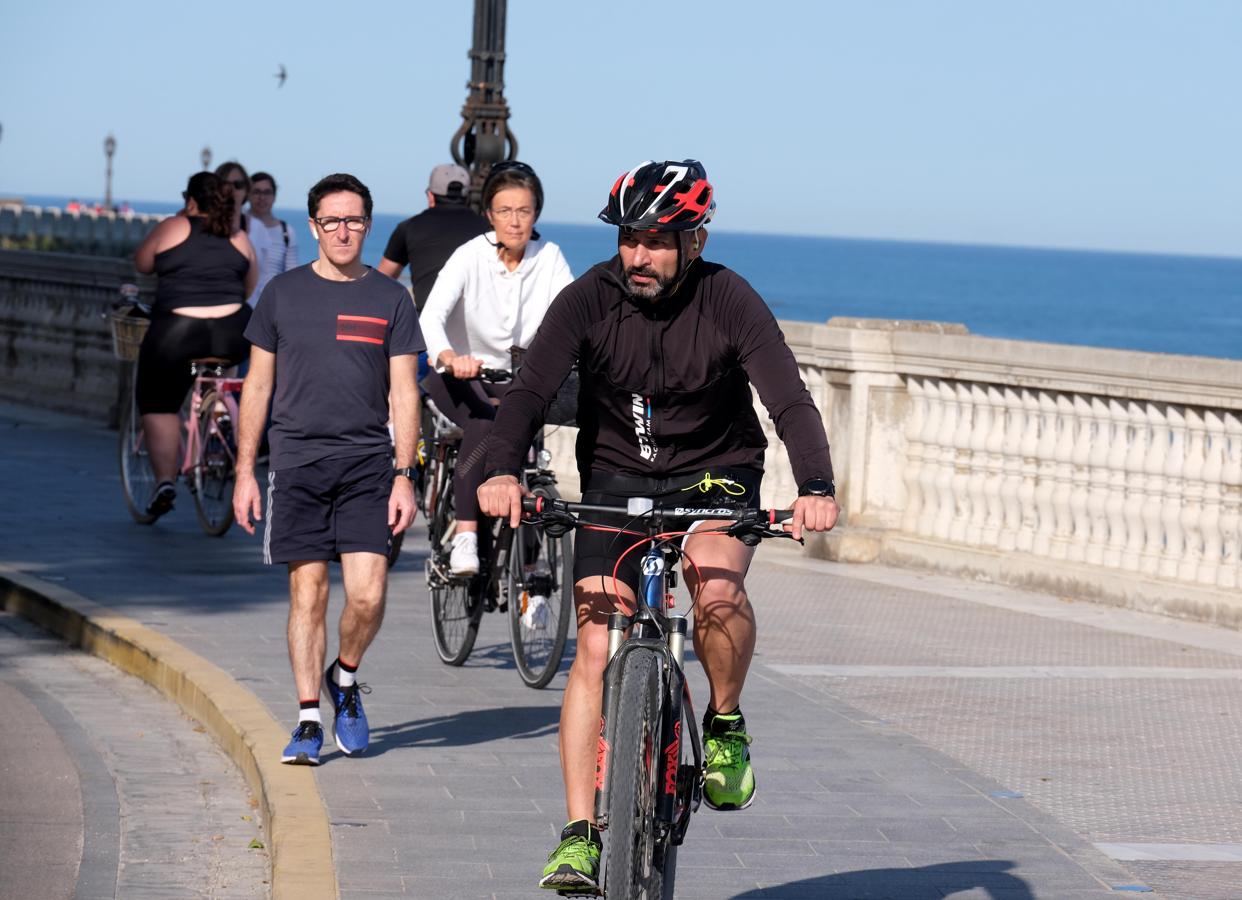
(1169,304)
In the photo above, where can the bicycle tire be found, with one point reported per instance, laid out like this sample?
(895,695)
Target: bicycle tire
(455,605)
(539,642)
(635,867)
(137,476)
(213,472)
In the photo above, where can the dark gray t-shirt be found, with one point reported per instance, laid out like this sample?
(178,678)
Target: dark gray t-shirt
(332,341)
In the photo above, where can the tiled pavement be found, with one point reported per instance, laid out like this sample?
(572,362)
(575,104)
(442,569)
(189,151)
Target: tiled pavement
(1032,729)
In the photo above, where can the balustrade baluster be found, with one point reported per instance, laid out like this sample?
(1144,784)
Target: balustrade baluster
(1174,493)
(1210,520)
(915,450)
(946,507)
(1119,436)
(1011,465)
(929,476)
(1084,431)
(1231,504)
(1045,482)
(976,461)
(1030,470)
(1153,489)
(994,465)
(1139,436)
(1063,473)
(1192,497)
(963,495)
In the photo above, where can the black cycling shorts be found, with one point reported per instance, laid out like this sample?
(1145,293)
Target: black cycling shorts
(172,342)
(328,507)
(596,552)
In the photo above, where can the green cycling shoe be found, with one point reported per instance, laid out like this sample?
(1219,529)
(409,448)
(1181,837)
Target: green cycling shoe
(573,867)
(729,782)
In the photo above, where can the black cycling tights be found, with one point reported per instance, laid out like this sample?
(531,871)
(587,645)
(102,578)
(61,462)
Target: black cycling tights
(172,342)
(468,404)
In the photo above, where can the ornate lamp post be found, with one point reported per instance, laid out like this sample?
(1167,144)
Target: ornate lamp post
(206,157)
(484,137)
(109,149)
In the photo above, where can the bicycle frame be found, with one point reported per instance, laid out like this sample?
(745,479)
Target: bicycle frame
(209,380)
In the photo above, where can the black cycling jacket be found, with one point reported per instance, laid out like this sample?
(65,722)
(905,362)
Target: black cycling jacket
(665,385)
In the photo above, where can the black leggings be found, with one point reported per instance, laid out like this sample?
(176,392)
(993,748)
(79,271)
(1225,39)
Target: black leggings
(172,342)
(468,404)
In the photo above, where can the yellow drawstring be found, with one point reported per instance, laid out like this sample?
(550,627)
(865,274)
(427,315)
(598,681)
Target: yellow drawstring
(731,487)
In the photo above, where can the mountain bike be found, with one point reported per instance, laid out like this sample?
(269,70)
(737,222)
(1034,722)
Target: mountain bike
(649,769)
(210,445)
(524,573)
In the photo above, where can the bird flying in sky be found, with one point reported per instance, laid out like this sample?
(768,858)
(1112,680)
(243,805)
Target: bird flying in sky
(281,76)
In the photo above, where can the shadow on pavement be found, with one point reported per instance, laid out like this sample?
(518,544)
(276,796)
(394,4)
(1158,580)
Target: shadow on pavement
(472,726)
(920,883)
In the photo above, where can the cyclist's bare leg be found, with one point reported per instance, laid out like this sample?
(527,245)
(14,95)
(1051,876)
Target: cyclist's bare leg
(580,708)
(308,610)
(366,582)
(724,621)
(162,433)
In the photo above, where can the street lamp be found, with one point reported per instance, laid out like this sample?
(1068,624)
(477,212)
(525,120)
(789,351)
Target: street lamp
(206,158)
(109,149)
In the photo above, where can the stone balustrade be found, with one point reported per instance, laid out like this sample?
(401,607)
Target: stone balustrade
(1096,474)
(104,233)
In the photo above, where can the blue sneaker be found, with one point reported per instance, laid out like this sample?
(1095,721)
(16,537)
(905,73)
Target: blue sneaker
(303,749)
(349,724)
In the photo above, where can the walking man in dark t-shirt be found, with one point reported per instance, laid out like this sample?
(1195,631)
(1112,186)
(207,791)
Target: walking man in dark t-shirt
(334,344)
(425,242)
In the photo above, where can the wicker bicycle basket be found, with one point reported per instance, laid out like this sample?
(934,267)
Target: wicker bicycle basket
(128,330)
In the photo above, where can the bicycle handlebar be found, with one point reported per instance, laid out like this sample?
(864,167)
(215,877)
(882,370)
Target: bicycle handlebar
(495,376)
(750,525)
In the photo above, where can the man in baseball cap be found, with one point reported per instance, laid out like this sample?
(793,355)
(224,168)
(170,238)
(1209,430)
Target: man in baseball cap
(425,241)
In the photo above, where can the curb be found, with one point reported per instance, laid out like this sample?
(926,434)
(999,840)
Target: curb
(299,838)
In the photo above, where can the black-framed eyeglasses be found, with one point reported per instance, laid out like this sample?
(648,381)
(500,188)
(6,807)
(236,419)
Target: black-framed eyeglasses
(262,192)
(239,184)
(352,223)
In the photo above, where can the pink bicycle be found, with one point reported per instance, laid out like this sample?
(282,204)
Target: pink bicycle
(208,417)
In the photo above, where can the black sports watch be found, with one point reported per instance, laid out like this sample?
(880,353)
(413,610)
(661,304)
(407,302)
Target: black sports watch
(407,472)
(817,487)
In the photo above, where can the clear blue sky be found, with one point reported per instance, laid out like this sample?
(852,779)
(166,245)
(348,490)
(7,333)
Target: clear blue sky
(1069,123)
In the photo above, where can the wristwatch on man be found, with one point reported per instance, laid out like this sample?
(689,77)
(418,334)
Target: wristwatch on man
(817,487)
(407,472)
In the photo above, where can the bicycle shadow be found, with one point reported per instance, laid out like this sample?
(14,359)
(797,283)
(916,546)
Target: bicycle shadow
(933,882)
(472,726)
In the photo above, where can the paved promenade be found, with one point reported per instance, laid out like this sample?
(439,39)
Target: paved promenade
(916,737)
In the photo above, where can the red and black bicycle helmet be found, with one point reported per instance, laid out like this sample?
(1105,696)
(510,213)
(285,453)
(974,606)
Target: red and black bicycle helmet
(661,196)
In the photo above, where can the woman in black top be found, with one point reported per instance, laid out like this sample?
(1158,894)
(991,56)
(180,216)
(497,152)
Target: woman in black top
(206,269)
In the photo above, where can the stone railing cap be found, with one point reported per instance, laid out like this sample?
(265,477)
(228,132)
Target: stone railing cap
(927,327)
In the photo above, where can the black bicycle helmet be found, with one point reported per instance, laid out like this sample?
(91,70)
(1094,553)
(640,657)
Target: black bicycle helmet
(512,173)
(661,196)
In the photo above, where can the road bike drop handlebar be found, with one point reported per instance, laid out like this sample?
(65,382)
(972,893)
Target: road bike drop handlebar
(750,526)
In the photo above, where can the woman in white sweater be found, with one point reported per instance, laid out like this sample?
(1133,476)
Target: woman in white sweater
(490,296)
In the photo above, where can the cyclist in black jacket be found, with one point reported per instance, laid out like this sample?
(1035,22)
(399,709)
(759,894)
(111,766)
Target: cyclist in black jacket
(668,347)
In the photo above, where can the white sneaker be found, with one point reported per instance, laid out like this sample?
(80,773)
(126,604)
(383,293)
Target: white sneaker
(536,616)
(464,557)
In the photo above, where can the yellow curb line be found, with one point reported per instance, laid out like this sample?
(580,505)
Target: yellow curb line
(299,839)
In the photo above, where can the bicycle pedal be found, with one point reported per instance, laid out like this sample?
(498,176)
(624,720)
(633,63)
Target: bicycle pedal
(581,892)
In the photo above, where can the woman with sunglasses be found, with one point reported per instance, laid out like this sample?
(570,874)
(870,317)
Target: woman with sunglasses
(234,174)
(206,268)
(490,296)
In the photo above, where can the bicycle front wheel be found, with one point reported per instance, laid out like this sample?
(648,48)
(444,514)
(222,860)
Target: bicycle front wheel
(638,846)
(137,476)
(541,595)
(456,603)
(213,471)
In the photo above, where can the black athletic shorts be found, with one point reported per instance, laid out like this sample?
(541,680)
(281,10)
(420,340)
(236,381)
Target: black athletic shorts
(172,342)
(596,552)
(328,507)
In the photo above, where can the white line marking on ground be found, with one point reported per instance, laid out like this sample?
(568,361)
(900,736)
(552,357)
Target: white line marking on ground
(1173,852)
(1105,672)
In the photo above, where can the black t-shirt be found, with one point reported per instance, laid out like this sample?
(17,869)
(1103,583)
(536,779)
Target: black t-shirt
(425,242)
(332,341)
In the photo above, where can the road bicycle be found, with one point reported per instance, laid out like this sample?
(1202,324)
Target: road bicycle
(649,766)
(209,446)
(525,574)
